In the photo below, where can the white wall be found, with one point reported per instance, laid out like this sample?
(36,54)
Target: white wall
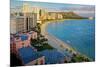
(12,26)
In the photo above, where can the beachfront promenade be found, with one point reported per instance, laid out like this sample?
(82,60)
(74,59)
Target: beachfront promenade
(55,42)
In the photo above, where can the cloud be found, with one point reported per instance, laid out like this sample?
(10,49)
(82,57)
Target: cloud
(79,7)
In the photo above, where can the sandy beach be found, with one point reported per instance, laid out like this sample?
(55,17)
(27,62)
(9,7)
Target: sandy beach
(54,41)
(57,43)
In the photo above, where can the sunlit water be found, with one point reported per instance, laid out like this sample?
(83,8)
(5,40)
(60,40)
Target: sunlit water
(80,34)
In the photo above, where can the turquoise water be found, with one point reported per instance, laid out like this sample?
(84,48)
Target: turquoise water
(80,34)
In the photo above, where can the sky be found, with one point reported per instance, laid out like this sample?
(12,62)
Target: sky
(82,10)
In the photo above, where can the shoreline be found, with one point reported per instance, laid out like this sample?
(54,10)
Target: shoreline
(55,39)
(58,42)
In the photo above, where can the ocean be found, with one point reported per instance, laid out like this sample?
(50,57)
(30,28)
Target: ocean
(79,34)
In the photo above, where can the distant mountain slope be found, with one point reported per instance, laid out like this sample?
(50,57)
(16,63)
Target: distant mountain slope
(70,15)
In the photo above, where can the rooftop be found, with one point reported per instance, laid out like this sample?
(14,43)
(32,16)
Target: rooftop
(27,54)
(24,37)
(52,56)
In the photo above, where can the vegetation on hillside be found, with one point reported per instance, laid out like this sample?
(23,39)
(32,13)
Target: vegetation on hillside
(70,15)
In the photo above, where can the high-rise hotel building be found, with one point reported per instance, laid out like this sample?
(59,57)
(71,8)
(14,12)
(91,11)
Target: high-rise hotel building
(22,21)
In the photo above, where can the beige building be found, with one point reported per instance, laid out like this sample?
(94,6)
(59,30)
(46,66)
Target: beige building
(30,20)
(30,17)
(41,13)
(60,16)
(36,11)
(16,24)
(12,25)
(22,22)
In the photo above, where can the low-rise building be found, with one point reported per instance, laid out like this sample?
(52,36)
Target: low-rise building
(53,57)
(31,57)
(20,44)
(23,39)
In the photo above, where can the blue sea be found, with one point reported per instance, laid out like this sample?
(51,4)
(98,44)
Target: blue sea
(79,34)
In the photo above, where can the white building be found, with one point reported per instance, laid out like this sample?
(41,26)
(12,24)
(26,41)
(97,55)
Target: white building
(17,24)
(23,19)
(23,22)
(12,25)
